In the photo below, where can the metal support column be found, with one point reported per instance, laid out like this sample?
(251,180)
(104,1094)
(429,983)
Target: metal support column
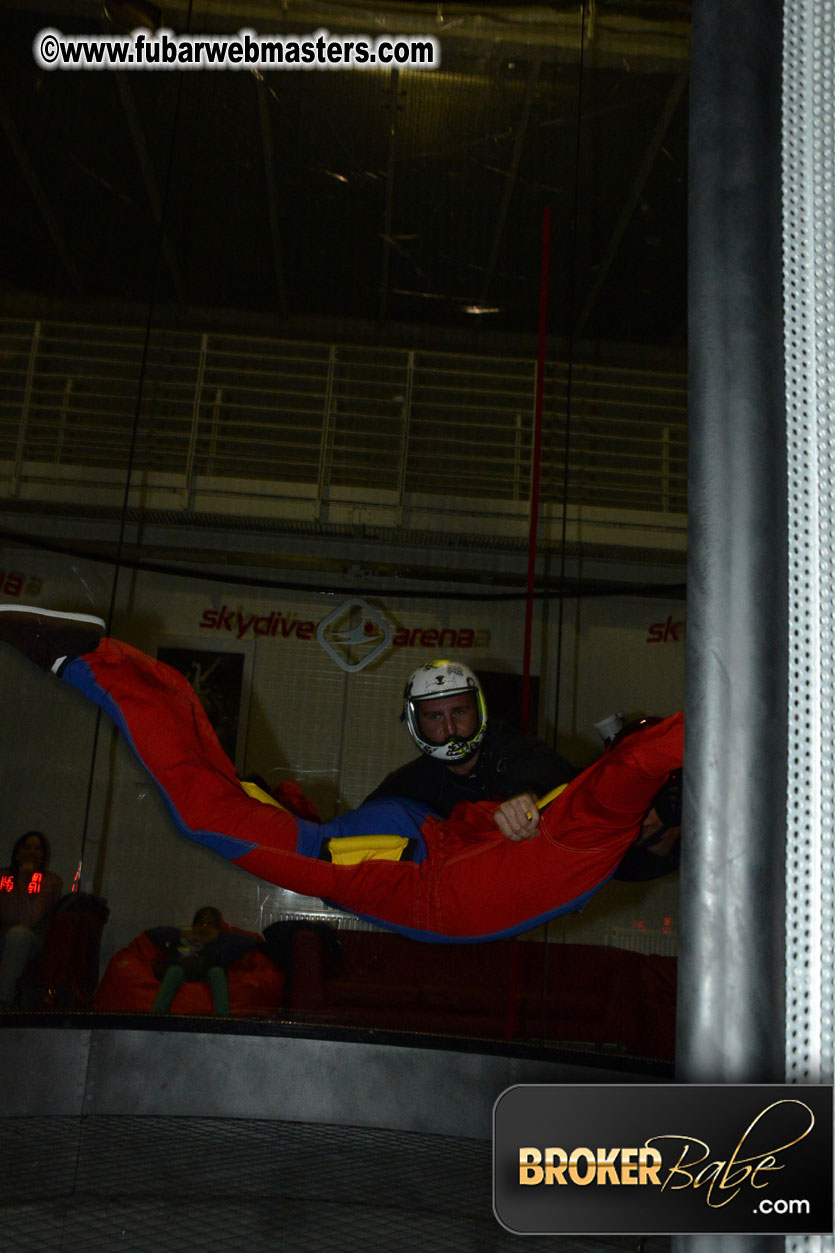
(731,992)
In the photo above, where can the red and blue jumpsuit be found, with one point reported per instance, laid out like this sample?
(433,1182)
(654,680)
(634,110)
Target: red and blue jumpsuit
(463,882)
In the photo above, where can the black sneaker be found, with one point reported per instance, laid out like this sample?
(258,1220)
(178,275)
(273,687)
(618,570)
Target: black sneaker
(48,637)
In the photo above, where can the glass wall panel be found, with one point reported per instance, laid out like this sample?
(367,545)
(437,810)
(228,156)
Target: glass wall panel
(286,357)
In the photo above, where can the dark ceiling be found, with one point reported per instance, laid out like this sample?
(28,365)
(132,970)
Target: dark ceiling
(382,199)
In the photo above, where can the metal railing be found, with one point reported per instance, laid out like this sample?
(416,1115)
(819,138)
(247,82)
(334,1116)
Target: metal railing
(322,421)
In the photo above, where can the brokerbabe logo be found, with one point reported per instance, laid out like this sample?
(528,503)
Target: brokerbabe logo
(663,1159)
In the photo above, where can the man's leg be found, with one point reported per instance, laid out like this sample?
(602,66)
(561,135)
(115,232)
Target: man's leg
(219,985)
(161,717)
(20,945)
(169,986)
(618,789)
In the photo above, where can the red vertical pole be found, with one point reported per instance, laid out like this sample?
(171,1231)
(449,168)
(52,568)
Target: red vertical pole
(536,463)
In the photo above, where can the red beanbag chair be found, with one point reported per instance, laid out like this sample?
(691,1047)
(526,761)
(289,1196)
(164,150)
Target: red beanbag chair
(129,985)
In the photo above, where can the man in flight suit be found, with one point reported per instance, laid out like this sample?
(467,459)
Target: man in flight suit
(394,862)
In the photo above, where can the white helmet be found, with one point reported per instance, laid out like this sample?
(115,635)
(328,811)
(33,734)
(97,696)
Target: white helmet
(444,678)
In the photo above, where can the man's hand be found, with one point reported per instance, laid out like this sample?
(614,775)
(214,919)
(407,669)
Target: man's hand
(518,818)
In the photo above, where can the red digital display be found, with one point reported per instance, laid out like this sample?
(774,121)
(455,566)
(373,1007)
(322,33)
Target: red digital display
(7,883)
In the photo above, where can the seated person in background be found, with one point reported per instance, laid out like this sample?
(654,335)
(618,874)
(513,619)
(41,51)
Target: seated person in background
(28,896)
(468,758)
(200,953)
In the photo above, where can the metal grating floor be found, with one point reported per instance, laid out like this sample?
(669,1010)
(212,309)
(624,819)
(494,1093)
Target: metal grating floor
(127,1183)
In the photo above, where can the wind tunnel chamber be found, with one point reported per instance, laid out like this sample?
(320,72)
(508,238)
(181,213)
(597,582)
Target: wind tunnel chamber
(285,364)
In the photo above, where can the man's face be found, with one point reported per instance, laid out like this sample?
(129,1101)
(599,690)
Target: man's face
(206,926)
(650,825)
(446,716)
(650,828)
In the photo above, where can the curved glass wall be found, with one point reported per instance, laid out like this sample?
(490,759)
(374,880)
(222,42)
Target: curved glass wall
(271,342)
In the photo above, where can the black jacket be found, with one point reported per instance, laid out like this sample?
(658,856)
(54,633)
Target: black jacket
(508,764)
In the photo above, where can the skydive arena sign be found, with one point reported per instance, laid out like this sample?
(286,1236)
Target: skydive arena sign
(663,1159)
(244,624)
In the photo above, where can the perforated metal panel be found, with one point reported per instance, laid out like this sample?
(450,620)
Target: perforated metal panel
(809,287)
(809,267)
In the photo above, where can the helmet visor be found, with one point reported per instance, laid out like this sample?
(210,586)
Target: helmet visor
(448,727)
